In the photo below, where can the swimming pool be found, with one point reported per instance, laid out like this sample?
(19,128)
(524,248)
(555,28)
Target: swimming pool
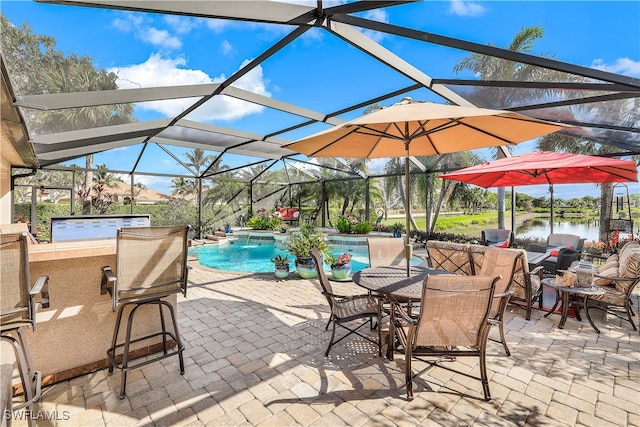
(255,258)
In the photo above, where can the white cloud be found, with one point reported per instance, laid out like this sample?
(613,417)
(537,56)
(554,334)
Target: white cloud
(217,25)
(181,24)
(466,8)
(158,71)
(128,22)
(142,28)
(625,66)
(377,165)
(159,38)
(376,15)
(226,47)
(161,184)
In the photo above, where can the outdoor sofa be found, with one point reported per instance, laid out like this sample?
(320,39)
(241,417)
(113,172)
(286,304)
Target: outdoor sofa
(288,214)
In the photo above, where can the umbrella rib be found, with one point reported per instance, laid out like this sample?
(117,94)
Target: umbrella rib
(484,131)
(610,172)
(374,132)
(332,142)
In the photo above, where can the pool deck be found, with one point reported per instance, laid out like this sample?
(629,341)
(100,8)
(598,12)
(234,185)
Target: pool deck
(255,357)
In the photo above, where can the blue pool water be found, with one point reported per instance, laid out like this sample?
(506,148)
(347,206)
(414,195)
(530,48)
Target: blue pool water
(254,258)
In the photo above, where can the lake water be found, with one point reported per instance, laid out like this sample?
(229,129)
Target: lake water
(540,228)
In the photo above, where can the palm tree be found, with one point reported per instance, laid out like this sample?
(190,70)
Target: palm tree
(492,68)
(79,75)
(447,187)
(197,160)
(181,187)
(109,179)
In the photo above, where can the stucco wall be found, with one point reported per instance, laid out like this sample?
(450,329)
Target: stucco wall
(5,191)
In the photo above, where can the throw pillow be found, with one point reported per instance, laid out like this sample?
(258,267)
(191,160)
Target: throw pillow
(607,266)
(604,281)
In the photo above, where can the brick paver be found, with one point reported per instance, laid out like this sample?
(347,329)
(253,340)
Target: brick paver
(255,356)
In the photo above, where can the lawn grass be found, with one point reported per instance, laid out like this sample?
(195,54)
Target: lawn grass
(465,225)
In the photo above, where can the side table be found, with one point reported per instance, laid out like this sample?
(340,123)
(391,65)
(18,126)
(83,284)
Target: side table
(576,296)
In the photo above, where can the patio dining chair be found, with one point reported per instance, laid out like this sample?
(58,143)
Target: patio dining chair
(347,308)
(385,252)
(453,322)
(502,263)
(151,264)
(18,308)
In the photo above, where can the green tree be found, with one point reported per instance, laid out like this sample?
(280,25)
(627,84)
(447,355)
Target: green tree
(197,160)
(182,187)
(492,68)
(449,188)
(110,179)
(45,70)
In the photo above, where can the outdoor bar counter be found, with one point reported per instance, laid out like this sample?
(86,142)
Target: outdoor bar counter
(73,334)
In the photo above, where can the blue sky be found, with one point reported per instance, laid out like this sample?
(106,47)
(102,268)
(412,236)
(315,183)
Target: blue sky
(155,50)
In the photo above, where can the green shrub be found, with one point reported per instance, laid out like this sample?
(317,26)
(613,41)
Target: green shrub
(263,220)
(362,228)
(343,225)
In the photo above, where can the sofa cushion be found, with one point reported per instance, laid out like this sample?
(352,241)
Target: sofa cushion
(288,213)
(564,240)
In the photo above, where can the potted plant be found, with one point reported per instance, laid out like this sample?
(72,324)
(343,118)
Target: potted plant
(300,246)
(227,228)
(281,266)
(397,229)
(340,266)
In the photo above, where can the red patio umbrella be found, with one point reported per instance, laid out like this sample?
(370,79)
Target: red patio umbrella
(547,168)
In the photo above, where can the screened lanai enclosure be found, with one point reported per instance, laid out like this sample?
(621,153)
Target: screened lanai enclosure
(210,150)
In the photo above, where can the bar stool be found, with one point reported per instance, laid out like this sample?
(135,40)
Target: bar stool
(151,264)
(18,308)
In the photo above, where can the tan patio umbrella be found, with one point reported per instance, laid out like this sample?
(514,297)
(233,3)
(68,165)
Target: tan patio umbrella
(412,128)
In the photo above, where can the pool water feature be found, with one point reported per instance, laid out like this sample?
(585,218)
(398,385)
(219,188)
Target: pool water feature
(250,257)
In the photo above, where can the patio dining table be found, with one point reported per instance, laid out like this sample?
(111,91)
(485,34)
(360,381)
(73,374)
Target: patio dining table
(392,281)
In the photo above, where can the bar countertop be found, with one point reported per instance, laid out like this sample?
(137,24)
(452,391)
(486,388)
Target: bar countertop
(71,250)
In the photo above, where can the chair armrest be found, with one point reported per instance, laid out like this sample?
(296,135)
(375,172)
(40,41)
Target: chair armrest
(566,257)
(538,271)
(108,280)
(618,279)
(347,297)
(41,287)
(403,314)
(504,294)
(533,247)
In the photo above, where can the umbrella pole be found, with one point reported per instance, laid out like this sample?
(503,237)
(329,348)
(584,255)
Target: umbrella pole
(551,219)
(513,210)
(407,202)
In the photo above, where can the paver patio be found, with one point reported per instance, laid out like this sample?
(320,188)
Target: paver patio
(254,356)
